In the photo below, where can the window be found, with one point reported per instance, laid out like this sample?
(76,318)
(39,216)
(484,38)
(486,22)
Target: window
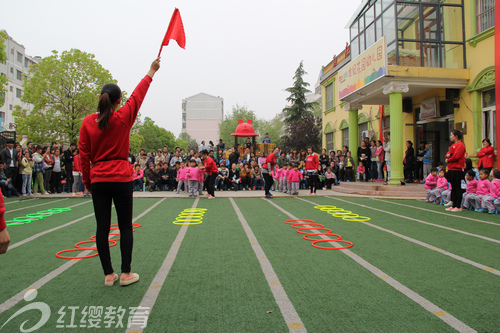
(386,127)
(19,93)
(12,51)
(19,75)
(362,128)
(329,141)
(12,70)
(11,89)
(485,15)
(20,57)
(489,115)
(10,107)
(345,137)
(329,96)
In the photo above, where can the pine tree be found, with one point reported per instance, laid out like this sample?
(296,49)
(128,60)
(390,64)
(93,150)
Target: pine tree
(299,106)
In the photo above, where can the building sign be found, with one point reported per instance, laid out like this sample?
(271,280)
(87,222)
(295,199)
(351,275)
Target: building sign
(429,108)
(337,60)
(365,69)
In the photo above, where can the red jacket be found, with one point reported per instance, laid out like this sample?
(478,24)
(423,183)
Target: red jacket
(108,149)
(2,212)
(270,162)
(210,166)
(312,162)
(486,157)
(457,159)
(77,165)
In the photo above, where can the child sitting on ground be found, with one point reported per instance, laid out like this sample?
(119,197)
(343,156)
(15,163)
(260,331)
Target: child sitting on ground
(234,178)
(431,183)
(469,197)
(295,177)
(223,182)
(483,189)
(330,177)
(487,203)
(360,172)
(442,184)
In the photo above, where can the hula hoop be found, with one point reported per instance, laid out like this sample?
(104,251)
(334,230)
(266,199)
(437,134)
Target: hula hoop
(15,223)
(191,215)
(293,221)
(186,223)
(324,206)
(195,209)
(59,209)
(340,214)
(301,226)
(40,215)
(329,234)
(300,231)
(93,248)
(357,219)
(58,254)
(334,210)
(331,248)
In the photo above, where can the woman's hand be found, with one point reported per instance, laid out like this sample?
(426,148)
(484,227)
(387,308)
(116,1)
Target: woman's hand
(155,66)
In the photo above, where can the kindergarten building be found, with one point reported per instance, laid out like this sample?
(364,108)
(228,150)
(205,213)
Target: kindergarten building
(416,70)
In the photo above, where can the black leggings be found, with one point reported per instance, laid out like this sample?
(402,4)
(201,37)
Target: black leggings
(268,179)
(210,183)
(313,182)
(103,194)
(456,193)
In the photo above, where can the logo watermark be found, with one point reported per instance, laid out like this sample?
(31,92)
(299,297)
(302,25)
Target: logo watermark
(83,316)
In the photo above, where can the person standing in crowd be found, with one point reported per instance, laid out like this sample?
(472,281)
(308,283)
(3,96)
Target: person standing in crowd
(202,146)
(212,171)
(142,159)
(323,159)
(409,162)
(266,139)
(210,146)
(174,159)
(55,180)
(486,156)
(6,183)
(10,158)
(77,172)
(267,169)
(248,143)
(38,171)
(387,157)
(222,145)
(166,155)
(419,168)
(131,157)
(372,170)
(4,235)
(234,156)
(68,166)
(455,159)
(427,161)
(312,165)
(48,165)
(104,142)
(27,163)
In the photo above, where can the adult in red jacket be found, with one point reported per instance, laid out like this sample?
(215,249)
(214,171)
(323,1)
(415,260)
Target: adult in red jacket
(106,172)
(455,159)
(267,169)
(4,235)
(486,156)
(312,165)
(212,171)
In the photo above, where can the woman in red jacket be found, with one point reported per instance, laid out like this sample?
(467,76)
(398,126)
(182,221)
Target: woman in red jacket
(486,156)
(267,169)
(455,159)
(312,165)
(106,172)
(212,172)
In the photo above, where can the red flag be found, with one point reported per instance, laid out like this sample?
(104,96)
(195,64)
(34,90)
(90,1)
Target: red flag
(175,31)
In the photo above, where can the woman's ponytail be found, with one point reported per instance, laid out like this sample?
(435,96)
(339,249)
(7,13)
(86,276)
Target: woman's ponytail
(110,93)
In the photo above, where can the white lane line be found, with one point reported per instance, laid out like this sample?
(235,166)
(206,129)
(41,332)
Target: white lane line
(43,204)
(430,247)
(11,202)
(149,299)
(433,211)
(41,282)
(426,304)
(420,221)
(287,309)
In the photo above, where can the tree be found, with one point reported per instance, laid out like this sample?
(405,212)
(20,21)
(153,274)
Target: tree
(63,89)
(303,134)
(229,124)
(155,137)
(300,107)
(3,57)
(192,144)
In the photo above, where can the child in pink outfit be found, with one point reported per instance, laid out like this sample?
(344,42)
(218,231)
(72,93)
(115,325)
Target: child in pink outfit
(441,185)
(192,175)
(276,178)
(488,201)
(182,178)
(483,189)
(201,177)
(360,172)
(470,196)
(330,178)
(431,183)
(295,177)
(288,178)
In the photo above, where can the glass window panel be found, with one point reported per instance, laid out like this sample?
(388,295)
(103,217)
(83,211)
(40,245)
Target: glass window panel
(430,27)
(345,137)
(489,98)
(391,54)
(329,96)
(369,16)
(408,21)
(431,1)
(378,27)
(452,2)
(354,48)
(485,14)
(389,25)
(451,24)
(409,54)
(386,3)
(361,23)
(362,47)
(453,55)
(354,30)
(431,55)
(370,35)
(378,8)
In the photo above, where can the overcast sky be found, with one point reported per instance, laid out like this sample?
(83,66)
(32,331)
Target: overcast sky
(243,51)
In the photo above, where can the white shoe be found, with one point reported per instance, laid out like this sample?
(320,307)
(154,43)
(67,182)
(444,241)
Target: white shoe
(448,204)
